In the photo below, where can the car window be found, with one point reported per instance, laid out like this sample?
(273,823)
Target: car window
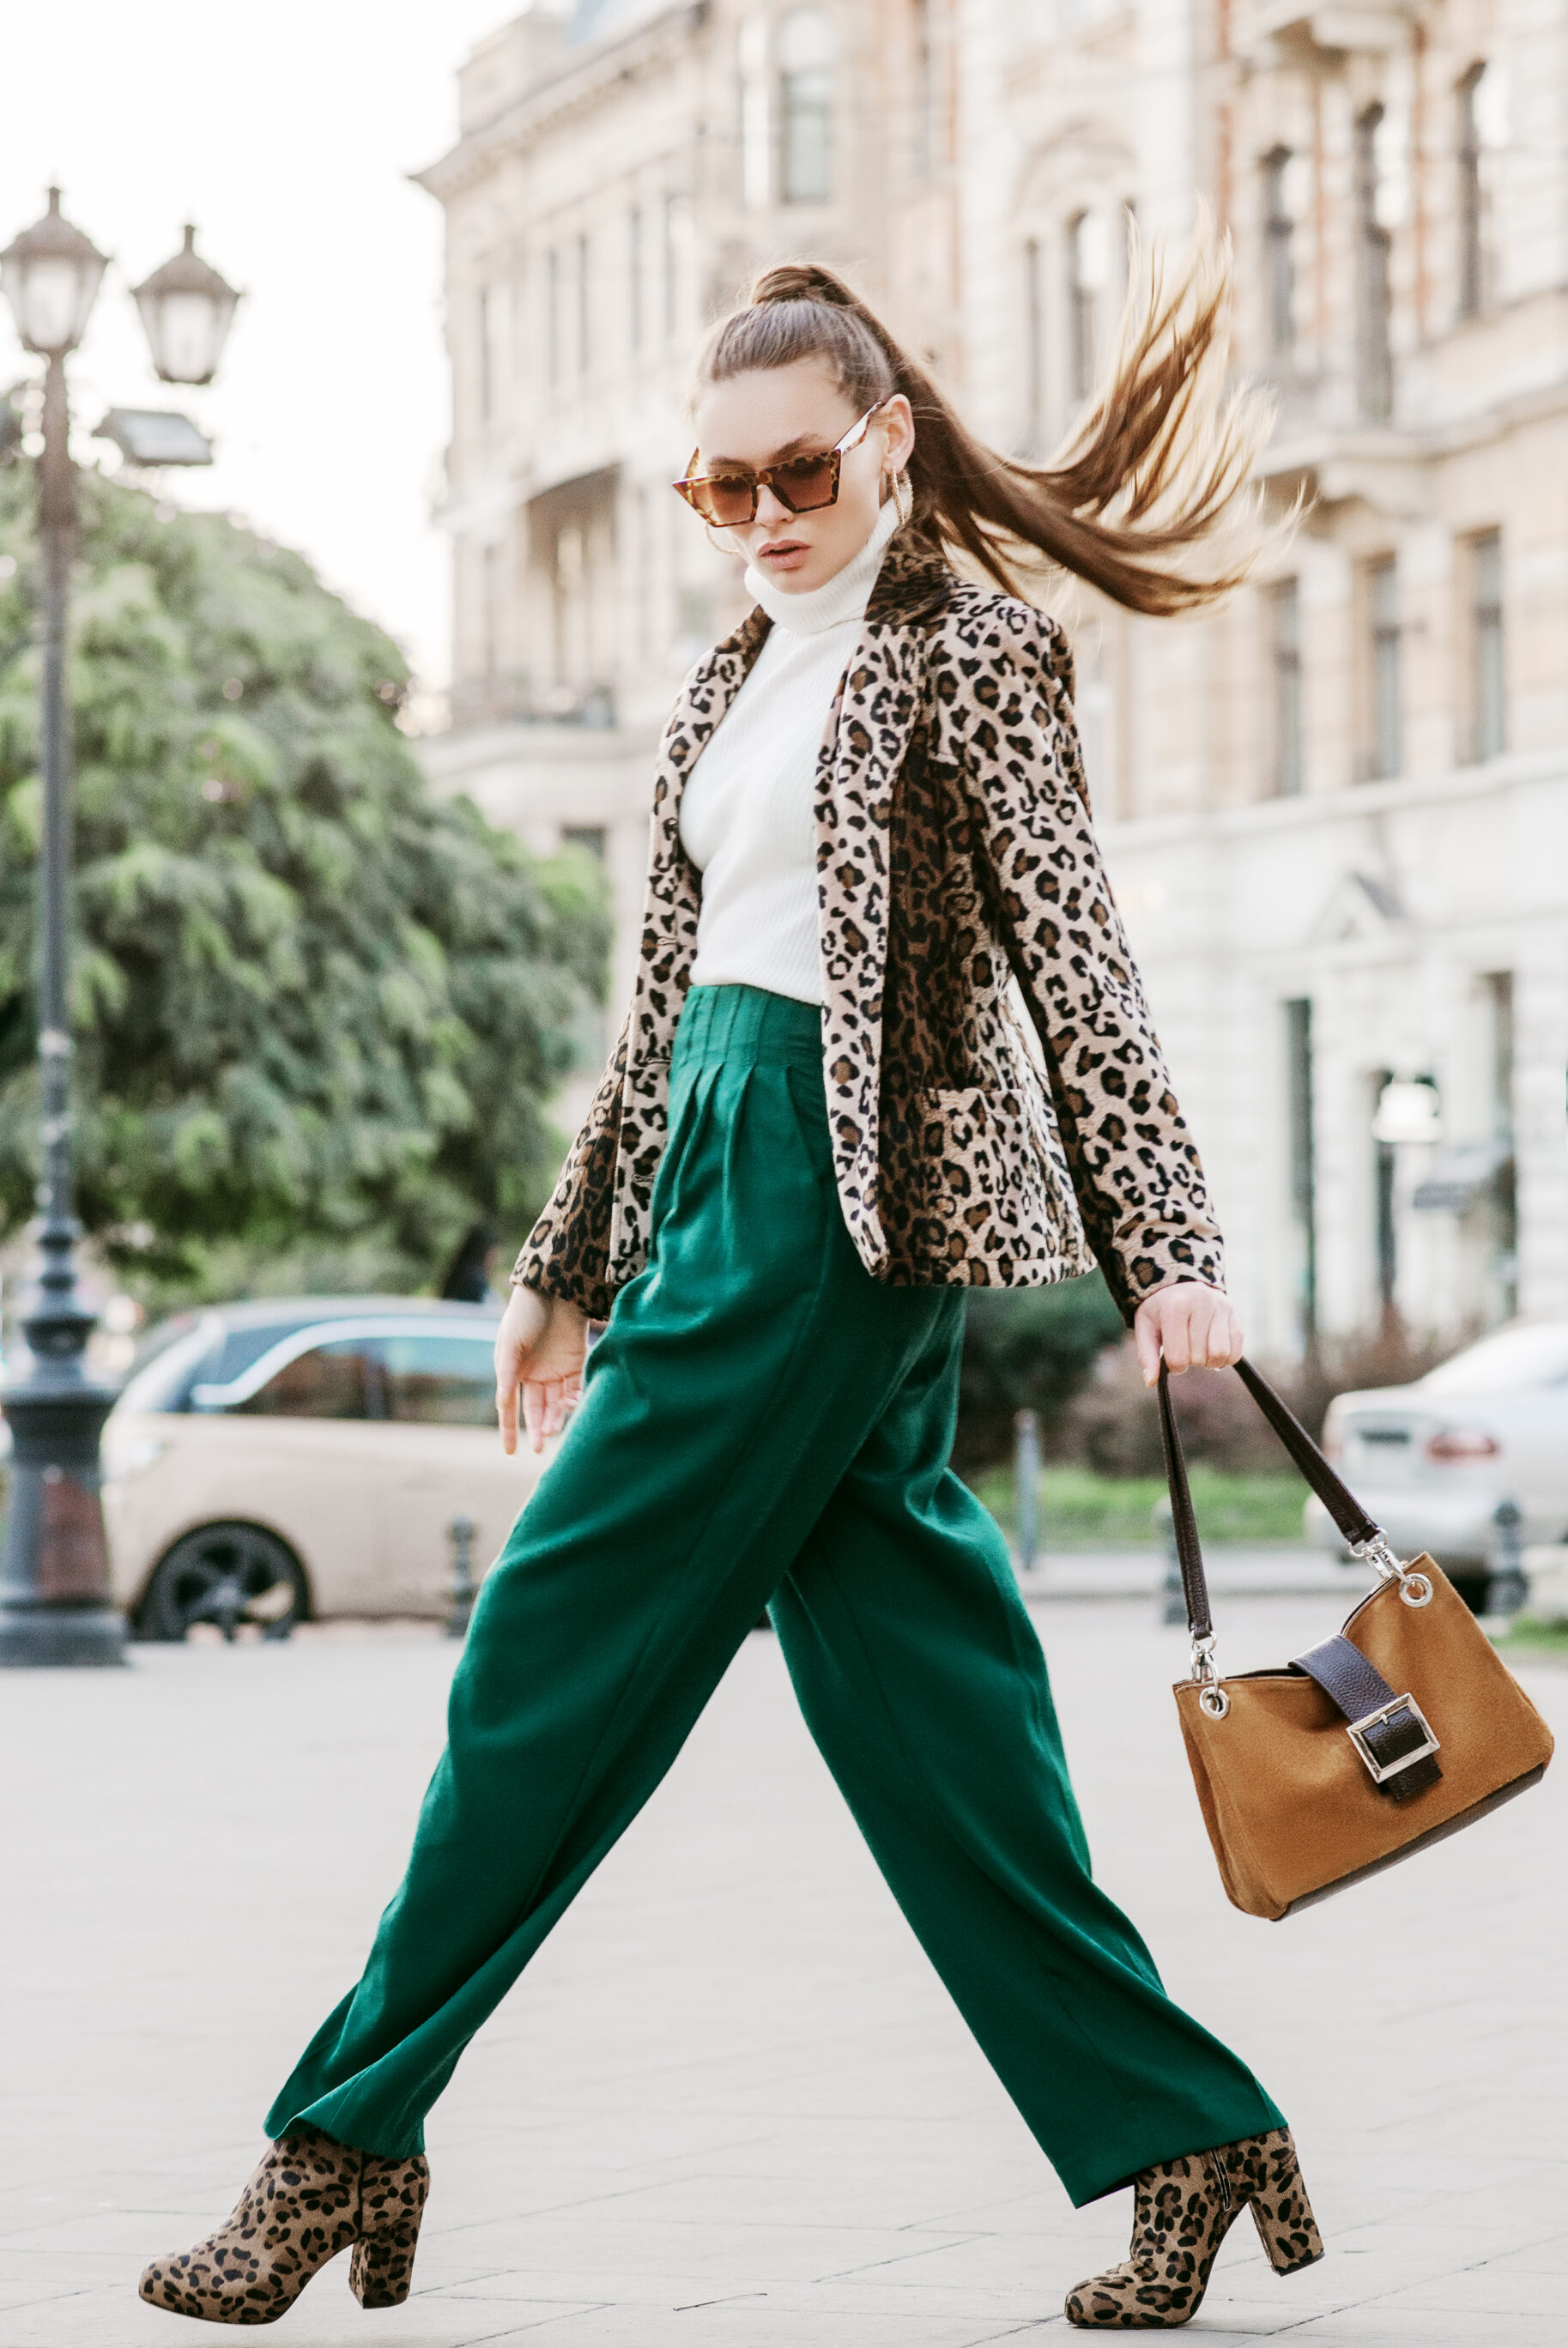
(341,1380)
(1530,1356)
(191,1350)
(445,1378)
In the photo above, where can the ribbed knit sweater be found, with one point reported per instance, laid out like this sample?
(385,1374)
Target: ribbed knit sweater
(746,818)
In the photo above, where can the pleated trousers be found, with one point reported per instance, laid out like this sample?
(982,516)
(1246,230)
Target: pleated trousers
(765,1425)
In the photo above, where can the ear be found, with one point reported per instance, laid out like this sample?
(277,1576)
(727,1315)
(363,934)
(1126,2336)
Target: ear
(897,420)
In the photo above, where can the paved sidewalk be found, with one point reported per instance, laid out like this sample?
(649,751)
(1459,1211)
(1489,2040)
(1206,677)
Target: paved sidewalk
(729,2106)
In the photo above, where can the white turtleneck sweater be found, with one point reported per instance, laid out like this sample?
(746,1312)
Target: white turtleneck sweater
(746,811)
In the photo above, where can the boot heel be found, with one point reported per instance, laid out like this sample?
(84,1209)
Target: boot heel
(391,2204)
(1281,2212)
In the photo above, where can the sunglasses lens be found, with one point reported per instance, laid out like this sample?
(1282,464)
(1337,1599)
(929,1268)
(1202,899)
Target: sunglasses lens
(724,498)
(806,482)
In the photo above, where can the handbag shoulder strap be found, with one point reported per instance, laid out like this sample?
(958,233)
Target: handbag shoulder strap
(1337,1497)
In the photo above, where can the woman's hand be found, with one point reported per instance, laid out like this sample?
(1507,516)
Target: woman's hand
(1194,1326)
(538,1351)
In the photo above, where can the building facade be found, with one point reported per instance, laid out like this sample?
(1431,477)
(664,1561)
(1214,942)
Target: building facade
(1336,812)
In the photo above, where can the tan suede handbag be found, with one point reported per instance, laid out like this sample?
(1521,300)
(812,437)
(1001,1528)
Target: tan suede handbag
(1402,1729)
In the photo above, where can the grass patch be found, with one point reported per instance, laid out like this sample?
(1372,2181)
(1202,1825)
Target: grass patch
(1080,1510)
(1544,1641)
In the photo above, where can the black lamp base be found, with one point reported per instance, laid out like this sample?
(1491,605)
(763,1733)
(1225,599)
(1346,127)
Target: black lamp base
(73,1636)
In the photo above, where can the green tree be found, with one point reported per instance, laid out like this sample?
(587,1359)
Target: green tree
(1027,1349)
(310,999)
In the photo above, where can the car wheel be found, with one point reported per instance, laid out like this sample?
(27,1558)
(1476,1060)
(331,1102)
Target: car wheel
(225,1575)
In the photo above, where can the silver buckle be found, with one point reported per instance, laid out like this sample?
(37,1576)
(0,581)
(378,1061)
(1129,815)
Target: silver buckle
(1382,1771)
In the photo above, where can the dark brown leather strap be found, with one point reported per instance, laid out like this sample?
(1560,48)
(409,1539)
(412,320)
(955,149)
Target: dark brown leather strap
(1336,1496)
(1392,1736)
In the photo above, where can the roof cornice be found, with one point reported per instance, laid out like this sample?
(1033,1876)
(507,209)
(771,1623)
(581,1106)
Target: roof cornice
(565,91)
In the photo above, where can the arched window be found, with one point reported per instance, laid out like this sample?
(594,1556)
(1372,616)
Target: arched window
(1374,362)
(1279,259)
(1481,103)
(1087,278)
(805,53)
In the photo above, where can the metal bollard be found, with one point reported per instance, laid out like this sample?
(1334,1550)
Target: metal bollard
(1507,1590)
(1172,1597)
(1027,1486)
(460,1533)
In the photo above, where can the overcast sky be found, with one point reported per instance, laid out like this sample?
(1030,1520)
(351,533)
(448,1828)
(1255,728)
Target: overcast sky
(285,133)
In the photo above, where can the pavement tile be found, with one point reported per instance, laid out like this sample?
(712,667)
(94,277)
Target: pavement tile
(729,2103)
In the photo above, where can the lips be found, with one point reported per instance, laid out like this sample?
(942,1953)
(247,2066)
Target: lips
(783,551)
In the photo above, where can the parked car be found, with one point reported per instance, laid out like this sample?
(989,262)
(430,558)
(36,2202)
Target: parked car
(1431,1461)
(307,1457)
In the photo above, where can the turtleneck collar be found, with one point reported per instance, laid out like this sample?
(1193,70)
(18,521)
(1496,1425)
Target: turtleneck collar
(843,597)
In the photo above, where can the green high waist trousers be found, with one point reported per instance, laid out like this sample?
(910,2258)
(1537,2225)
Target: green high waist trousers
(764,1423)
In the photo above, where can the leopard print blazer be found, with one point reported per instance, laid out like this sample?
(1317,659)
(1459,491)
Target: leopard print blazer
(955,854)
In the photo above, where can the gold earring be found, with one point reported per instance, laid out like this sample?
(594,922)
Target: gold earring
(903,495)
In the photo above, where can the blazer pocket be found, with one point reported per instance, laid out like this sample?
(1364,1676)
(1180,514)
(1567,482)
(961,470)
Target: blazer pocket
(967,1143)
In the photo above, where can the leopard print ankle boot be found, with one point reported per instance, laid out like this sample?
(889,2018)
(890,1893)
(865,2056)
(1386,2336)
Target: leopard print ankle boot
(1181,2213)
(309,2198)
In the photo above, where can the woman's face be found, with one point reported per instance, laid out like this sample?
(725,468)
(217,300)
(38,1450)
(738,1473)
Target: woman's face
(773,413)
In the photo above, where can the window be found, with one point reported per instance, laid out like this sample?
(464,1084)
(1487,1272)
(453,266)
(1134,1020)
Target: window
(1279,258)
(336,1381)
(552,317)
(1488,698)
(1284,602)
(635,320)
(588,836)
(1088,258)
(1468,158)
(927,86)
(495,317)
(1303,1164)
(491,615)
(1034,346)
(677,254)
(756,123)
(806,106)
(436,1380)
(1383,738)
(1374,363)
(1499,986)
(1385,1230)
(584,305)
(1480,135)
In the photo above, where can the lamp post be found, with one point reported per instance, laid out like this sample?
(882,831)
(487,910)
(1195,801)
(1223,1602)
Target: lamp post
(55,1603)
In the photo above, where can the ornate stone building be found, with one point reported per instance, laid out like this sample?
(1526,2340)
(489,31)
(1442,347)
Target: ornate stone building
(1337,813)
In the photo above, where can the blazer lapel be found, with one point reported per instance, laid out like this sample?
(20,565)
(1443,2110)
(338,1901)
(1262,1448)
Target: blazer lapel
(671,908)
(867,738)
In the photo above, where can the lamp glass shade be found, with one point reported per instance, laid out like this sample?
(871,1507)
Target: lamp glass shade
(50,276)
(187,310)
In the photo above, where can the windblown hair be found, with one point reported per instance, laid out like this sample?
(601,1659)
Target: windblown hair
(1148,496)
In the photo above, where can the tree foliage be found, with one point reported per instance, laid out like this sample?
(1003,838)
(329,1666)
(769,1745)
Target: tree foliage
(308,997)
(1027,1349)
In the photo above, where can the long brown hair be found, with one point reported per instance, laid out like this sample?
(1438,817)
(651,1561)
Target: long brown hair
(1152,480)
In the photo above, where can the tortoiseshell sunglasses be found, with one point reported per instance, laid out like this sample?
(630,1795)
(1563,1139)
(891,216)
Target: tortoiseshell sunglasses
(801,484)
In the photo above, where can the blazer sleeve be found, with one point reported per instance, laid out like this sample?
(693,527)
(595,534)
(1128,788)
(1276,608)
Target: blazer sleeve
(567,1253)
(1135,1168)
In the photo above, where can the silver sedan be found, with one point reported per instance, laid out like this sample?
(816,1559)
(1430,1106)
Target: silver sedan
(1432,1461)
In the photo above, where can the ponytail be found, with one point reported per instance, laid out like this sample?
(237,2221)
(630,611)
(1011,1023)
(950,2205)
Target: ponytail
(1152,478)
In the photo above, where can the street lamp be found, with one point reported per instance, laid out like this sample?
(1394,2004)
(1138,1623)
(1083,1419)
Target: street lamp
(56,1601)
(187,309)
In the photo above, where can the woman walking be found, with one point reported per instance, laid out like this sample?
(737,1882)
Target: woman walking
(821,1124)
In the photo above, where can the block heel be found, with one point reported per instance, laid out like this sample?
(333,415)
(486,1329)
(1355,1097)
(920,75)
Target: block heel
(391,2204)
(1280,2210)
